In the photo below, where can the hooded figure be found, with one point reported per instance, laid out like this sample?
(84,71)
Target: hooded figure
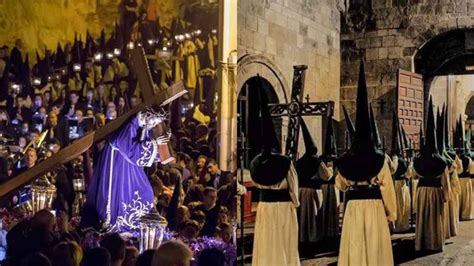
(349,124)
(432,192)
(277,180)
(454,165)
(328,218)
(466,210)
(400,177)
(365,176)
(307,168)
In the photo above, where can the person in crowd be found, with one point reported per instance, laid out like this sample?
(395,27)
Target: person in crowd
(131,255)
(30,160)
(36,259)
(67,254)
(211,210)
(211,256)
(115,244)
(98,256)
(219,178)
(172,253)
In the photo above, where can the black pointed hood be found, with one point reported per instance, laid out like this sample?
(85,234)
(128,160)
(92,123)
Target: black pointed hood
(429,163)
(440,131)
(363,160)
(102,41)
(330,148)
(307,166)
(349,124)
(268,168)
(310,147)
(375,130)
(396,143)
(421,138)
(60,58)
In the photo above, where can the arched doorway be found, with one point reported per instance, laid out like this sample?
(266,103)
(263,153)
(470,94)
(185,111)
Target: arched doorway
(470,113)
(249,122)
(446,61)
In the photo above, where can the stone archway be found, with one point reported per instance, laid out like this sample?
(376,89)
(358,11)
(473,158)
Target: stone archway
(451,52)
(252,64)
(248,67)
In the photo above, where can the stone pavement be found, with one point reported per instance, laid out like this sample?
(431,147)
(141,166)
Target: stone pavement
(459,250)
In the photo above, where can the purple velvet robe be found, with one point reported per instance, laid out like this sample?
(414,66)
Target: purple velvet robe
(119,192)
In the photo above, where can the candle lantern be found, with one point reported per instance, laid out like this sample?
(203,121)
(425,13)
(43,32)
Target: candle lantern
(152,228)
(42,194)
(78,184)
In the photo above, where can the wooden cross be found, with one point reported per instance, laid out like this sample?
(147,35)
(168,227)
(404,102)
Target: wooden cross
(78,147)
(296,109)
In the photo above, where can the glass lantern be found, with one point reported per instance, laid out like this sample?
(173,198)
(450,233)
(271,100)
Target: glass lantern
(78,185)
(42,194)
(152,228)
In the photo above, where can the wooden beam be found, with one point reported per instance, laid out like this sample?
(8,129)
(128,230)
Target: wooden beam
(81,145)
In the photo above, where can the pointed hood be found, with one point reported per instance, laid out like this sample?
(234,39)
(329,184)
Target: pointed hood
(363,134)
(102,41)
(268,168)
(60,59)
(461,136)
(421,138)
(349,124)
(363,160)
(330,149)
(310,146)
(429,163)
(440,131)
(396,143)
(305,166)
(172,210)
(375,130)
(431,144)
(397,150)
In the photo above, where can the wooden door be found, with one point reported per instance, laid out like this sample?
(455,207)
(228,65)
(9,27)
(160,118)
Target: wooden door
(410,103)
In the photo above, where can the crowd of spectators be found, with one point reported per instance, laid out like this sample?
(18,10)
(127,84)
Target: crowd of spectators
(79,87)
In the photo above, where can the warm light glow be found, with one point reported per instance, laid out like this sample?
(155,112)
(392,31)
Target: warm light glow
(36,81)
(150,42)
(130,45)
(110,55)
(76,67)
(116,51)
(98,56)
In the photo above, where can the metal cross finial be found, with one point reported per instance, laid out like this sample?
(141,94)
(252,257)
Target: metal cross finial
(307,98)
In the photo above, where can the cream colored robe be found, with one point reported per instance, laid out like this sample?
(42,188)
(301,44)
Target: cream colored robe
(451,213)
(402,192)
(276,227)
(328,217)
(309,211)
(466,210)
(430,228)
(360,246)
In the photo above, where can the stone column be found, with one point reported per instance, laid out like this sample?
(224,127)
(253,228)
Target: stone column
(227,85)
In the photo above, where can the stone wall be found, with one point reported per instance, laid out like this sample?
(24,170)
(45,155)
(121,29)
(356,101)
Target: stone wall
(396,35)
(43,24)
(274,35)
